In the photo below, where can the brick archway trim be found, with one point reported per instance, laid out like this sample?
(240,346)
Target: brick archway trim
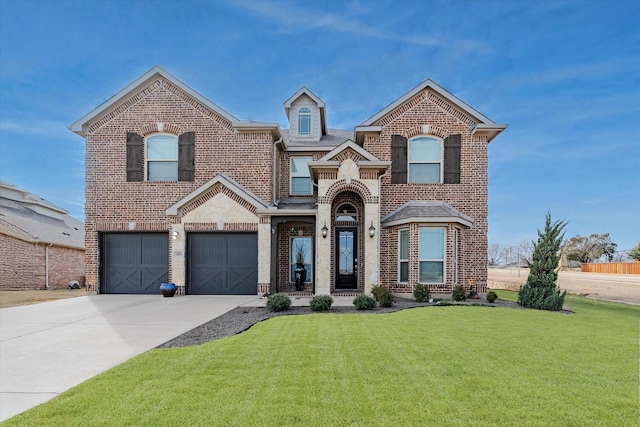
(354,185)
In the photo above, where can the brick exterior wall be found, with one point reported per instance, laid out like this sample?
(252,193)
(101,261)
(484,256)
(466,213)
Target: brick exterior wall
(24,265)
(469,197)
(113,203)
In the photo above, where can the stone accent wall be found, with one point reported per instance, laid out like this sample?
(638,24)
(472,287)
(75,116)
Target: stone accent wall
(24,265)
(141,206)
(469,197)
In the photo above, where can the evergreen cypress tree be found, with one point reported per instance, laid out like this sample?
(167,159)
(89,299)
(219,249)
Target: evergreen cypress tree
(540,291)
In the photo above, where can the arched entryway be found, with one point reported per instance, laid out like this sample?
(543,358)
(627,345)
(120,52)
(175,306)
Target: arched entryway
(347,251)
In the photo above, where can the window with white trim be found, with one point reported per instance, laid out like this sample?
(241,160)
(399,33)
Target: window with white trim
(162,157)
(425,160)
(403,256)
(301,245)
(304,121)
(300,176)
(431,250)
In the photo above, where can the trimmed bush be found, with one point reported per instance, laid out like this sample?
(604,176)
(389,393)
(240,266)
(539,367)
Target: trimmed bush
(278,302)
(364,302)
(383,296)
(320,303)
(459,294)
(421,293)
(492,296)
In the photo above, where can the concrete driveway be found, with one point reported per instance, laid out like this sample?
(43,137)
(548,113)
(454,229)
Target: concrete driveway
(50,347)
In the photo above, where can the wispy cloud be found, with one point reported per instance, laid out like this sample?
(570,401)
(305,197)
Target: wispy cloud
(49,128)
(290,20)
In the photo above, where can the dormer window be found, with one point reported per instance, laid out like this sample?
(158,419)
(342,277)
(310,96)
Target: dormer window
(304,121)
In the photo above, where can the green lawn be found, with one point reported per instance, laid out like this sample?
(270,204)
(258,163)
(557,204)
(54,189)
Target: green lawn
(425,366)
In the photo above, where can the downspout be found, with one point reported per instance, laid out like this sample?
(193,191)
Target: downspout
(273,173)
(46,263)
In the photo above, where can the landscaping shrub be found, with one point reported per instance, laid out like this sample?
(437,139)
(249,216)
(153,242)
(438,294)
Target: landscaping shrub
(320,303)
(364,302)
(540,291)
(383,296)
(459,294)
(278,302)
(492,296)
(421,293)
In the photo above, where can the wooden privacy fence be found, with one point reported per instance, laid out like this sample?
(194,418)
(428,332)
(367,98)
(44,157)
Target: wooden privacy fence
(612,268)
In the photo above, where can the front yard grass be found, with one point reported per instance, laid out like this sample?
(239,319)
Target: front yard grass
(425,366)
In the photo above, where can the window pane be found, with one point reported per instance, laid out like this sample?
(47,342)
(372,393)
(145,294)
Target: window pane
(303,243)
(431,272)
(300,186)
(404,271)
(304,121)
(404,244)
(431,243)
(425,150)
(299,166)
(424,172)
(163,171)
(162,147)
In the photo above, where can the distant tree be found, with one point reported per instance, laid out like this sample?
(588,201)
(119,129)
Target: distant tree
(494,252)
(526,250)
(540,291)
(588,249)
(634,253)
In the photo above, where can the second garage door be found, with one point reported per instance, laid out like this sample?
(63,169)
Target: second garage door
(223,263)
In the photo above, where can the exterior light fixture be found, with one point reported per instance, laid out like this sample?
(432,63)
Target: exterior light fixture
(325,230)
(372,230)
(174,235)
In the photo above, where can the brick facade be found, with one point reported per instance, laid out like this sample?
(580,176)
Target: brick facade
(27,269)
(246,153)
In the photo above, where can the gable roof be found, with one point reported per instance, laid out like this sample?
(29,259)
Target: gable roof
(484,123)
(80,126)
(28,217)
(221,178)
(305,91)
(426,211)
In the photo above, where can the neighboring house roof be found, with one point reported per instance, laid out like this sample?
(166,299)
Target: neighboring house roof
(80,126)
(483,123)
(305,91)
(28,217)
(426,211)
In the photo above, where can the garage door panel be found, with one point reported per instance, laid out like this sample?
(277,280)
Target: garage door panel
(134,263)
(223,263)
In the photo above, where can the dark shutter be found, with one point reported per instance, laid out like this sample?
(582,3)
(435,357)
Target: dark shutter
(452,159)
(186,156)
(398,159)
(135,157)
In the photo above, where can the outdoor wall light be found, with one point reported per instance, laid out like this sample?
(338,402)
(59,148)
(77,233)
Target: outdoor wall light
(174,235)
(325,230)
(372,230)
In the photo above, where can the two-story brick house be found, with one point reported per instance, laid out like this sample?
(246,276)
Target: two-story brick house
(178,189)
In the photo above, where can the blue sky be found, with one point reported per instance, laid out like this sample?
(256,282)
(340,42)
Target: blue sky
(564,75)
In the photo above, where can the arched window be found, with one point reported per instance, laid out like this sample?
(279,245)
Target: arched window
(162,157)
(304,121)
(346,212)
(425,160)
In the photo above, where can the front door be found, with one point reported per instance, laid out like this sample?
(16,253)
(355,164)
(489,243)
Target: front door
(346,258)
